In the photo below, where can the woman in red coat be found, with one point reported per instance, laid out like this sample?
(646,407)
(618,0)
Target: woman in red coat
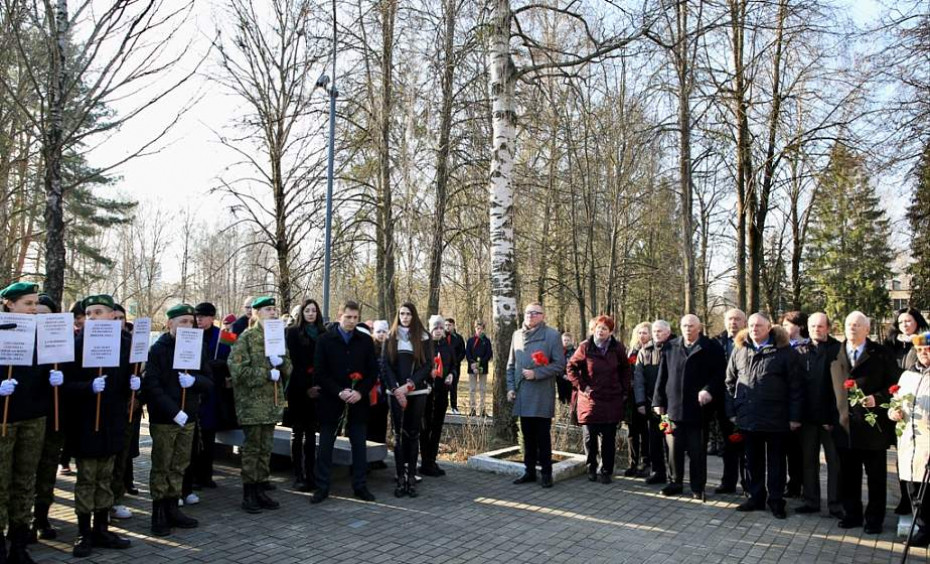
(600,373)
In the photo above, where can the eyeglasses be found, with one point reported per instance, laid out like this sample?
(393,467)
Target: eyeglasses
(533,313)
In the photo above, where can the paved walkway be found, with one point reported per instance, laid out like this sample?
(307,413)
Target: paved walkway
(472,517)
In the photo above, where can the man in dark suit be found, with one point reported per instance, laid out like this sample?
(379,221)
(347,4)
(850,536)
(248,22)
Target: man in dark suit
(691,373)
(866,366)
(345,367)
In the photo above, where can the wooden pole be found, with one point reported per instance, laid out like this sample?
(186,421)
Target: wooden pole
(275,394)
(132,398)
(184,395)
(97,421)
(6,401)
(55,391)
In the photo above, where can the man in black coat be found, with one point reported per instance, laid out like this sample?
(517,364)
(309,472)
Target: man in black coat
(818,417)
(345,367)
(691,373)
(242,322)
(765,394)
(478,353)
(457,344)
(645,375)
(872,369)
(94,448)
(733,461)
(173,397)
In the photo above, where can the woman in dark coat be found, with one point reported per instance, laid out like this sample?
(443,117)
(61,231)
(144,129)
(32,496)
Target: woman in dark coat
(407,363)
(378,414)
(600,372)
(301,341)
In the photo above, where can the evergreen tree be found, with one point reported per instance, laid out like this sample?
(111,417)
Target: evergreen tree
(848,256)
(918,215)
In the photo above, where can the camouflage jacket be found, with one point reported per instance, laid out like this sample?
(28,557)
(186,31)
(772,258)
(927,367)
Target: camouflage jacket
(253,390)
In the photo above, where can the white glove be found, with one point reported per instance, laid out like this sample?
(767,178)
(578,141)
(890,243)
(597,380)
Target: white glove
(135,383)
(100,383)
(274,374)
(7,387)
(186,380)
(181,418)
(55,378)
(276,360)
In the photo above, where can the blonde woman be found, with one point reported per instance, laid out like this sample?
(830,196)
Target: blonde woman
(638,422)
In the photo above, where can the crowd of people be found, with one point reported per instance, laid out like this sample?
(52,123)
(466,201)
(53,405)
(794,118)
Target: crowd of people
(766,397)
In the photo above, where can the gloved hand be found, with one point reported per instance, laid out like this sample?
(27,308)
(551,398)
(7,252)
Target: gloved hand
(100,383)
(181,418)
(186,380)
(275,360)
(135,383)
(55,378)
(274,374)
(7,387)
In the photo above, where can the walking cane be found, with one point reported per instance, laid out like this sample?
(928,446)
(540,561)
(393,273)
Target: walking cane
(97,421)
(6,401)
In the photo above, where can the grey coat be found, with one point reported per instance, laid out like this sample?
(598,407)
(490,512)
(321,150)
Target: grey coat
(535,398)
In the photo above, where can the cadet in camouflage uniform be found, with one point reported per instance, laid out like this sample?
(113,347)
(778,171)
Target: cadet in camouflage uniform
(171,427)
(254,377)
(28,393)
(47,470)
(95,451)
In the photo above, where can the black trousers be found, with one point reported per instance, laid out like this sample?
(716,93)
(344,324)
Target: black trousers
(795,458)
(765,466)
(434,415)
(852,462)
(303,449)
(377,422)
(912,489)
(454,389)
(640,454)
(657,448)
(356,432)
(203,450)
(813,436)
(688,437)
(606,435)
(407,424)
(734,462)
(537,444)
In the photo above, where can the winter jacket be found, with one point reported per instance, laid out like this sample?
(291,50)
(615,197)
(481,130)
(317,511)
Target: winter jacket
(161,387)
(31,398)
(912,446)
(683,374)
(765,386)
(457,343)
(874,373)
(405,368)
(302,348)
(535,398)
(819,402)
(444,349)
(646,373)
(333,362)
(217,407)
(253,389)
(607,374)
(478,349)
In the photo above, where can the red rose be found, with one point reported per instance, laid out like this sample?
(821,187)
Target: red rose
(849,384)
(736,438)
(894,389)
(539,358)
(356,376)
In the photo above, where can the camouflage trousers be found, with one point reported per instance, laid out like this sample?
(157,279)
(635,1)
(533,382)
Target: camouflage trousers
(19,456)
(256,453)
(171,453)
(92,490)
(47,472)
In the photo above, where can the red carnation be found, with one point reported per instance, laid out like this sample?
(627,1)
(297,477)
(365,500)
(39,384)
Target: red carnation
(849,384)
(356,376)
(736,438)
(894,389)
(539,358)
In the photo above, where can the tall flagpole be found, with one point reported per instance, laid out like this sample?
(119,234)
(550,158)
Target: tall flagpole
(327,257)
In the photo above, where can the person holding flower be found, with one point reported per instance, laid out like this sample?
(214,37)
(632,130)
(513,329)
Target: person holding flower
(600,373)
(910,409)
(345,367)
(862,373)
(434,414)
(536,360)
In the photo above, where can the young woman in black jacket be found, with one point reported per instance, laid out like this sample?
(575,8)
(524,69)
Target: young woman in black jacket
(301,392)
(407,363)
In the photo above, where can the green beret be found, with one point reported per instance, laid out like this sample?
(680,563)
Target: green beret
(48,302)
(179,310)
(18,290)
(261,302)
(105,300)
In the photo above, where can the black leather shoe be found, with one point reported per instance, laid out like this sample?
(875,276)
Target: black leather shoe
(847,523)
(176,518)
(630,472)
(749,505)
(364,495)
(266,487)
(525,479)
(872,529)
(778,509)
(266,502)
(807,509)
(102,537)
(604,478)
(546,480)
(724,489)
(671,489)
(83,547)
(656,479)
(429,470)
(592,476)
(249,499)
(319,496)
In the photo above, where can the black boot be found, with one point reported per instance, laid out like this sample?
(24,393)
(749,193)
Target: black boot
(297,459)
(102,537)
(249,499)
(160,527)
(266,486)
(264,501)
(19,539)
(83,546)
(176,518)
(41,527)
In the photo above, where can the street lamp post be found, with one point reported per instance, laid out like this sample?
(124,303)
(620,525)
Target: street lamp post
(327,249)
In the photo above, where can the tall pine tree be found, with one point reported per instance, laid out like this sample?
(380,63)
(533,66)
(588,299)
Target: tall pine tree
(918,215)
(848,253)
